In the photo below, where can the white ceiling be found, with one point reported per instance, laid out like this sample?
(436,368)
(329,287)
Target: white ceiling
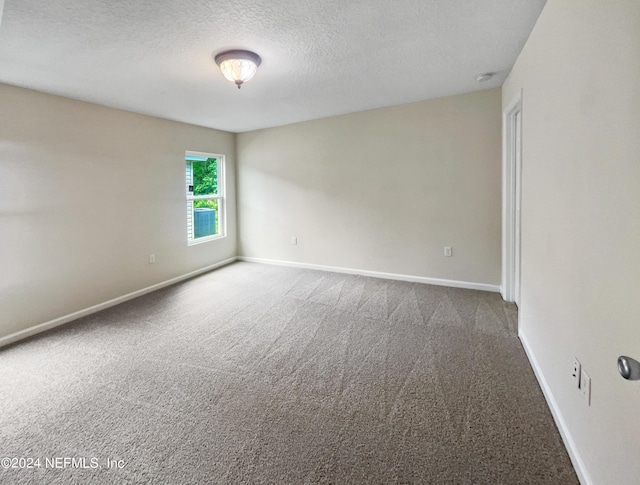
(319,57)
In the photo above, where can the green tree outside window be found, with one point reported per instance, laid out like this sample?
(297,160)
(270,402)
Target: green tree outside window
(205,179)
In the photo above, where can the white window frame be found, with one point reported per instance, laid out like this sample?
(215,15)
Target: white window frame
(220,197)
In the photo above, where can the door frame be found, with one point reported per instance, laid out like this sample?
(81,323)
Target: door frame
(511,187)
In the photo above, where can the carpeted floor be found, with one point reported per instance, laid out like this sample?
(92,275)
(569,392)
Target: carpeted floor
(262,374)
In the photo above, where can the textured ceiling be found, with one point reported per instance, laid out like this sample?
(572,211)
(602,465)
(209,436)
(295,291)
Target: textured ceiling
(319,57)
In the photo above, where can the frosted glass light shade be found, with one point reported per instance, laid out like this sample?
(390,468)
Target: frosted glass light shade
(238,66)
(238,70)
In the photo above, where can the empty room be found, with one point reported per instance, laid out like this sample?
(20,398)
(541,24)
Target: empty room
(320,242)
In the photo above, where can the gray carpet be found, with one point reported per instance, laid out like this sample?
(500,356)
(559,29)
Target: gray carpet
(262,374)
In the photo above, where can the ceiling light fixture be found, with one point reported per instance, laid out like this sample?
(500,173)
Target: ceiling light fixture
(238,66)
(485,76)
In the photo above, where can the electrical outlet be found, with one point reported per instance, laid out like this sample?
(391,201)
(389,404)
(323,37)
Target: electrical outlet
(152,258)
(447,251)
(585,386)
(575,372)
(294,240)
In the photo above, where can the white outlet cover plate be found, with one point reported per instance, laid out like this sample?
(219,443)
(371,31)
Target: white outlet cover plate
(585,386)
(575,371)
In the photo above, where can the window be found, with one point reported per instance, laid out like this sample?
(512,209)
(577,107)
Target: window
(205,197)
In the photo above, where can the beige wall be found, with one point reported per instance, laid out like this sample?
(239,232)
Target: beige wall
(382,190)
(86,194)
(580,75)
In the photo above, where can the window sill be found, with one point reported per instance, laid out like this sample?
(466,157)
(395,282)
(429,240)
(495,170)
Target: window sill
(201,240)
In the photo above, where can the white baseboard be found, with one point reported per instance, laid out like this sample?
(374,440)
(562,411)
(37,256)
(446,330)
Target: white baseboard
(22,334)
(378,274)
(569,444)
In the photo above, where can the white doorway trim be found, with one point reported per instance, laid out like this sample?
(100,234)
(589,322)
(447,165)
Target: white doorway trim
(511,196)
